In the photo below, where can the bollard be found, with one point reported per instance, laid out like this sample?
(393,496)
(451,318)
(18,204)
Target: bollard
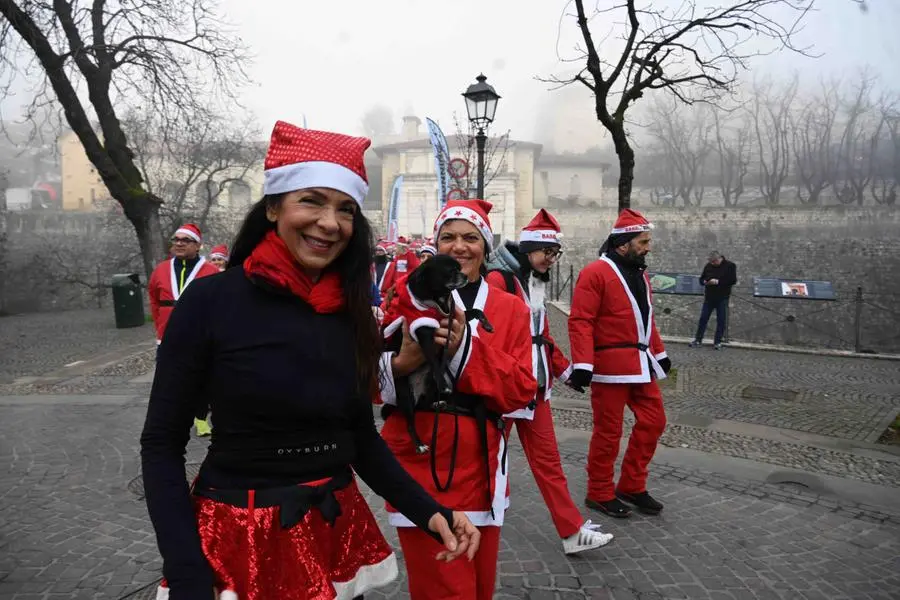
(858,320)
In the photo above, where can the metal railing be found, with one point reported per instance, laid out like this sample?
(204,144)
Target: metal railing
(857,320)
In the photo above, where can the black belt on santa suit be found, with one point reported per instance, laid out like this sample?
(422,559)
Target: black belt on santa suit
(465,405)
(294,501)
(539,340)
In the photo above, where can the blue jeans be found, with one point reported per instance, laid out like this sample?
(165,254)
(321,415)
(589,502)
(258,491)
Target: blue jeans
(721,308)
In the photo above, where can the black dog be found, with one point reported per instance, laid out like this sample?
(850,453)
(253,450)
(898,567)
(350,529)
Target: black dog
(431,285)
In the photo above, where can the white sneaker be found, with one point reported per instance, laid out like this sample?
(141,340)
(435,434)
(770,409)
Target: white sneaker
(587,538)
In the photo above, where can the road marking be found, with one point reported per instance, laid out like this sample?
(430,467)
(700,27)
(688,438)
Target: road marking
(72,364)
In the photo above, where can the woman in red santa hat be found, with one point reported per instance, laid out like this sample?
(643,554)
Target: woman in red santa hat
(218,256)
(524,271)
(285,349)
(466,465)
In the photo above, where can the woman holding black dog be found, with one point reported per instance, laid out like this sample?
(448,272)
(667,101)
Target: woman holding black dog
(285,349)
(465,467)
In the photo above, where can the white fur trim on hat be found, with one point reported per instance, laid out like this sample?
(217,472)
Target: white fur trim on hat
(463,213)
(217,255)
(312,174)
(540,235)
(633,228)
(188,232)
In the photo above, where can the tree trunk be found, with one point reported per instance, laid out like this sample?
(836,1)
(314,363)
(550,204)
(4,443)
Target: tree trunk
(626,164)
(143,213)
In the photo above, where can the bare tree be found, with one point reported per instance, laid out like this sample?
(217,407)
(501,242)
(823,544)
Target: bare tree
(863,124)
(378,122)
(495,153)
(684,136)
(770,108)
(691,51)
(192,167)
(171,55)
(887,164)
(732,149)
(815,132)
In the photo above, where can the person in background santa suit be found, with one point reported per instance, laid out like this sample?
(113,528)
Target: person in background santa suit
(172,276)
(466,467)
(381,262)
(524,270)
(426,251)
(218,256)
(617,350)
(404,262)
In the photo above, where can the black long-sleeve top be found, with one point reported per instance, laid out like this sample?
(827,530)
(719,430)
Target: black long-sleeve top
(276,375)
(725,272)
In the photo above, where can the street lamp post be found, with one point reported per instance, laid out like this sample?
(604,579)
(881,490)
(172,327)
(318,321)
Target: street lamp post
(481,106)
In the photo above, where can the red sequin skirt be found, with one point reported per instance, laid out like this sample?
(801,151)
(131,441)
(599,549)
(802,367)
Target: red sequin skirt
(254,558)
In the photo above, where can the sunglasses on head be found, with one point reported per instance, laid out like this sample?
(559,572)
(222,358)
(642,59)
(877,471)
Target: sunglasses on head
(182,240)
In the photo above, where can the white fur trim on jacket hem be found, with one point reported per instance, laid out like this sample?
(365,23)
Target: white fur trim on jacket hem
(162,593)
(564,376)
(367,578)
(583,366)
(312,174)
(421,322)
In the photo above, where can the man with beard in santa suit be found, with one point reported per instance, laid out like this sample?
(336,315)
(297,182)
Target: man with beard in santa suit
(618,352)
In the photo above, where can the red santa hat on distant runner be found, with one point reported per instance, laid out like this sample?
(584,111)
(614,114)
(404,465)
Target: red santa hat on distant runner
(473,211)
(304,158)
(629,225)
(190,230)
(220,252)
(541,232)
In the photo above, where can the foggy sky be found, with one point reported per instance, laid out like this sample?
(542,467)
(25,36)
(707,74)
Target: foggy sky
(333,60)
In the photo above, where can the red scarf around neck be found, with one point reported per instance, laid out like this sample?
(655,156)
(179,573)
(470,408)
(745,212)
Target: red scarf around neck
(272,261)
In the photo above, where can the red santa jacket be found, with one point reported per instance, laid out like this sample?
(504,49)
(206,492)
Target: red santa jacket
(163,290)
(606,329)
(543,347)
(404,308)
(496,367)
(401,266)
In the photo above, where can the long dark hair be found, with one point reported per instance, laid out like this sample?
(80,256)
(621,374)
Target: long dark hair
(354,265)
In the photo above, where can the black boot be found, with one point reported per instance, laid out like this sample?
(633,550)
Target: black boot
(644,502)
(613,508)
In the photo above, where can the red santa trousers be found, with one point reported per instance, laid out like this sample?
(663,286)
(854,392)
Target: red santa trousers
(460,579)
(542,451)
(608,401)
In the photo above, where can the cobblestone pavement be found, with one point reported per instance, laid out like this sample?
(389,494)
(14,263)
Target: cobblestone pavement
(841,397)
(34,344)
(72,526)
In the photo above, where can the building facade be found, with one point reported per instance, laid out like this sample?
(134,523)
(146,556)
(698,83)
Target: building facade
(520,182)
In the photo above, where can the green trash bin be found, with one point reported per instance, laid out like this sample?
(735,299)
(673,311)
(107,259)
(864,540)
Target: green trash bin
(128,300)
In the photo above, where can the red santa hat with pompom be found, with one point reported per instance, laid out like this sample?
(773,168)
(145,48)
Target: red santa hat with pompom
(190,230)
(542,231)
(220,252)
(631,221)
(473,211)
(304,158)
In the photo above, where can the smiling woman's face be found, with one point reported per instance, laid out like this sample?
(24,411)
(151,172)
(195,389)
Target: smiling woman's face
(462,240)
(316,224)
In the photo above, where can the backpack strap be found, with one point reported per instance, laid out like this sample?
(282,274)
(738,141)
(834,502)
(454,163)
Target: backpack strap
(509,279)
